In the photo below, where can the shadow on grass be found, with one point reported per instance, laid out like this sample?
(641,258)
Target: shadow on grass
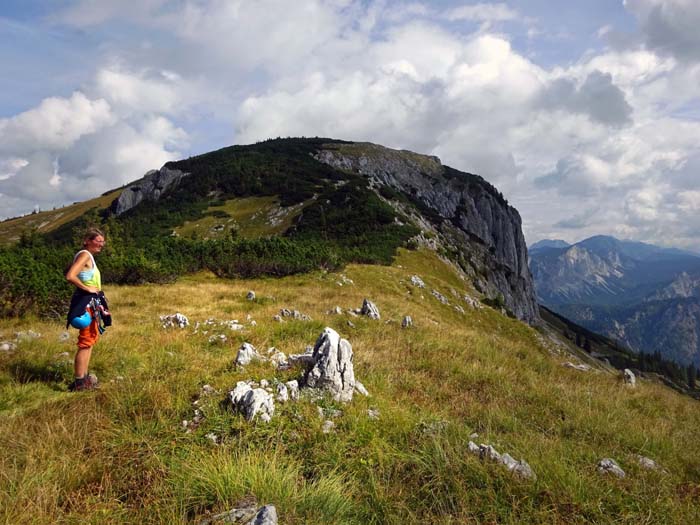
(25,371)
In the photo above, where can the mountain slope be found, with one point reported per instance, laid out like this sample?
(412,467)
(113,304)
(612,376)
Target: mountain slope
(431,388)
(644,296)
(348,202)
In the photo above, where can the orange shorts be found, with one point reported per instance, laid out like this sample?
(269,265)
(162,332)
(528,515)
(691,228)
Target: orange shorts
(87,337)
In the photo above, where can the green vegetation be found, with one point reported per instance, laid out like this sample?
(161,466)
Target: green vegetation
(327,218)
(121,455)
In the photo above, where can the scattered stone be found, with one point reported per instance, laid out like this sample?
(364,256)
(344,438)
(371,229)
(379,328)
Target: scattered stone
(350,323)
(175,320)
(232,325)
(218,339)
(306,359)
(519,468)
(629,378)
(440,297)
(373,413)
(474,303)
(332,368)
(252,402)
(279,359)
(460,309)
(207,390)
(345,280)
(417,281)
(610,466)
(266,515)
(370,309)
(264,383)
(63,355)
(250,296)
(328,426)
(353,313)
(213,438)
(647,463)
(581,366)
(360,389)
(335,311)
(253,323)
(282,393)
(7,346)
(293,388)
(278,318)
(246,353)
(65,336)
(407,322)
(473,435)
(294,314)
(27,336)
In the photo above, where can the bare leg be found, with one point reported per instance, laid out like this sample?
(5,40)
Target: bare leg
(82,360)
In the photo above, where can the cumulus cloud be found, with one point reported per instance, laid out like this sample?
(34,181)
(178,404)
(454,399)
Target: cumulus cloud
(669,26)
(55,124)
(596,97)
(603,144)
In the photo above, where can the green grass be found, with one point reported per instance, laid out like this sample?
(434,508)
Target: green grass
(121,455)
(46,221)
(250,217)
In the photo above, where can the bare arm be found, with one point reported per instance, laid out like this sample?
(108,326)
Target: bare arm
(77,266)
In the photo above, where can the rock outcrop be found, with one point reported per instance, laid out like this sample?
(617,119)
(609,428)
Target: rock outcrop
(332,368)
(466,211)
(149,188)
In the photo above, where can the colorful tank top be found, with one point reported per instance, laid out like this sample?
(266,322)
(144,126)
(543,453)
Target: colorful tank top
(91,276)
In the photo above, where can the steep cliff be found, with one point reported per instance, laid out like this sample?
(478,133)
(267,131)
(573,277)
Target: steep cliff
(468,213)
(148,188)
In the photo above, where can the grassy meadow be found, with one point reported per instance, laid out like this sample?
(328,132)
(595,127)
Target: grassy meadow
(121,454)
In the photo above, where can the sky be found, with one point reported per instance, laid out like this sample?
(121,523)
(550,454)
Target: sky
(585,114)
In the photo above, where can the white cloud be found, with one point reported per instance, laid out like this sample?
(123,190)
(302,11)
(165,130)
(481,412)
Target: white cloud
(483,12)
(55,124)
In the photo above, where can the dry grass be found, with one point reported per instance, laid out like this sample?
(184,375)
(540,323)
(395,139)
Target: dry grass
(46,221)
(120,455)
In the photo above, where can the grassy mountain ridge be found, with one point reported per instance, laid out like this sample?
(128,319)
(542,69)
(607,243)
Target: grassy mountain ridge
(121,455)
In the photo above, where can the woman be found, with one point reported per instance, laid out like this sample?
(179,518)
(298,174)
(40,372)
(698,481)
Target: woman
(85,275)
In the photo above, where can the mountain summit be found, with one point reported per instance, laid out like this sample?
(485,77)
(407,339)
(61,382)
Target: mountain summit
(359,201)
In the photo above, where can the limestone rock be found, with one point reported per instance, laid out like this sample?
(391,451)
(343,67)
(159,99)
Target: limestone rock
(246,354)
(332,368)
(417,281)
(647,463)
(360,389)
(581,366)
(629,378)
(266,515)
(149,188)
(610,466)
(518,468)
(7,346)
(252,402)
(250,296)
(282,393)
(373,413)
(370,309)
(174,320)
(294,314)
(328,426)
(470,214)
(440,297)
(407,322)
(293,389)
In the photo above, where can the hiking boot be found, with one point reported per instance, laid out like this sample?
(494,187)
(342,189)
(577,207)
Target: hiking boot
(89,382)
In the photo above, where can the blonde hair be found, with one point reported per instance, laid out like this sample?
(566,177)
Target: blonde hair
(90,234)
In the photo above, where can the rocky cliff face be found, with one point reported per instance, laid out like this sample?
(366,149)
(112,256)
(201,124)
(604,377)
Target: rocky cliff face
(148,188)
(468,214)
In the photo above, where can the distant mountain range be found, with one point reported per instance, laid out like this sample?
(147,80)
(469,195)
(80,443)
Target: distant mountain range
(645,296)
